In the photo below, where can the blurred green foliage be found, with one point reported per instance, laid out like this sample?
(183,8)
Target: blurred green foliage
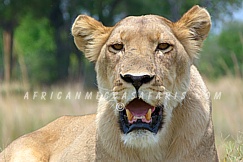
(223,53)
(35,43)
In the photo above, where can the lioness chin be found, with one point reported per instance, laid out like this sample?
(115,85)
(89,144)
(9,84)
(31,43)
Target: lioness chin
(155,105)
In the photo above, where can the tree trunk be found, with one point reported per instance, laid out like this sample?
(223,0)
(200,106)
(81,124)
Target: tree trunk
(62,55)
(7,53)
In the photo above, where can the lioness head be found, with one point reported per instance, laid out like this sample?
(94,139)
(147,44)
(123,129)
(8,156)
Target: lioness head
(143,69)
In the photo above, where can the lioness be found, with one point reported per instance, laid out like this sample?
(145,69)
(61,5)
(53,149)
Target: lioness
(156,106)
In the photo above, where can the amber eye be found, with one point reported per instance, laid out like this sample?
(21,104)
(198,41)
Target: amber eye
(117,47)
(163,46)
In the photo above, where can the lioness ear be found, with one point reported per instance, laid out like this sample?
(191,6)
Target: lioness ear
(89,36)
(192,29)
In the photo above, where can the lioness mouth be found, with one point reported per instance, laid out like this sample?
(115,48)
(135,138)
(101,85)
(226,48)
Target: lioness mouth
(140,115)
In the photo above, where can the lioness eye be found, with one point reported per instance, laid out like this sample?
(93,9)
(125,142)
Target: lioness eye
(163,46)
(117,47)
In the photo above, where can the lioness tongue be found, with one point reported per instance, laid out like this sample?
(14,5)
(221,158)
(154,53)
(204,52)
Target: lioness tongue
(138,107)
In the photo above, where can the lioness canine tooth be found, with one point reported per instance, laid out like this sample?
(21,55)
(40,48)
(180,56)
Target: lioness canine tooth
(148,115)
(129,115)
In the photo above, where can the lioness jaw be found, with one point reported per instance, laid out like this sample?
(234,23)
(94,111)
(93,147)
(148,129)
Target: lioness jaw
(154,104)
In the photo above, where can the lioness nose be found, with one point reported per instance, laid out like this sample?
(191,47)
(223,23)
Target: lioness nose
(137,81)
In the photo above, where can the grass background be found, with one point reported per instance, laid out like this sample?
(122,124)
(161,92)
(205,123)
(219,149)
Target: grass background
(19,116)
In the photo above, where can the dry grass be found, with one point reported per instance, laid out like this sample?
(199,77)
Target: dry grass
(228,117)
(19,116)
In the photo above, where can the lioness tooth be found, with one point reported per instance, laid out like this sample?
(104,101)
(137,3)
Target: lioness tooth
(148,115)
(129,115)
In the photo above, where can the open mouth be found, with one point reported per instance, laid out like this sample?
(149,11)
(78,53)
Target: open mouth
(140,115)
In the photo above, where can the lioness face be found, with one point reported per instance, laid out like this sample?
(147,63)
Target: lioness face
(143,63)
(141,58)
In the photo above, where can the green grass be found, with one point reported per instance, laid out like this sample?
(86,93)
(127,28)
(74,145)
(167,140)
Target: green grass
(234,149)
(19,116)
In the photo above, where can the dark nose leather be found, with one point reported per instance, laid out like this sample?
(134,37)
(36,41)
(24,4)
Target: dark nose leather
(137,81)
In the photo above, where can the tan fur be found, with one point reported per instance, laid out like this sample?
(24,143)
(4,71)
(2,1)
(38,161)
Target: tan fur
(187,133)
